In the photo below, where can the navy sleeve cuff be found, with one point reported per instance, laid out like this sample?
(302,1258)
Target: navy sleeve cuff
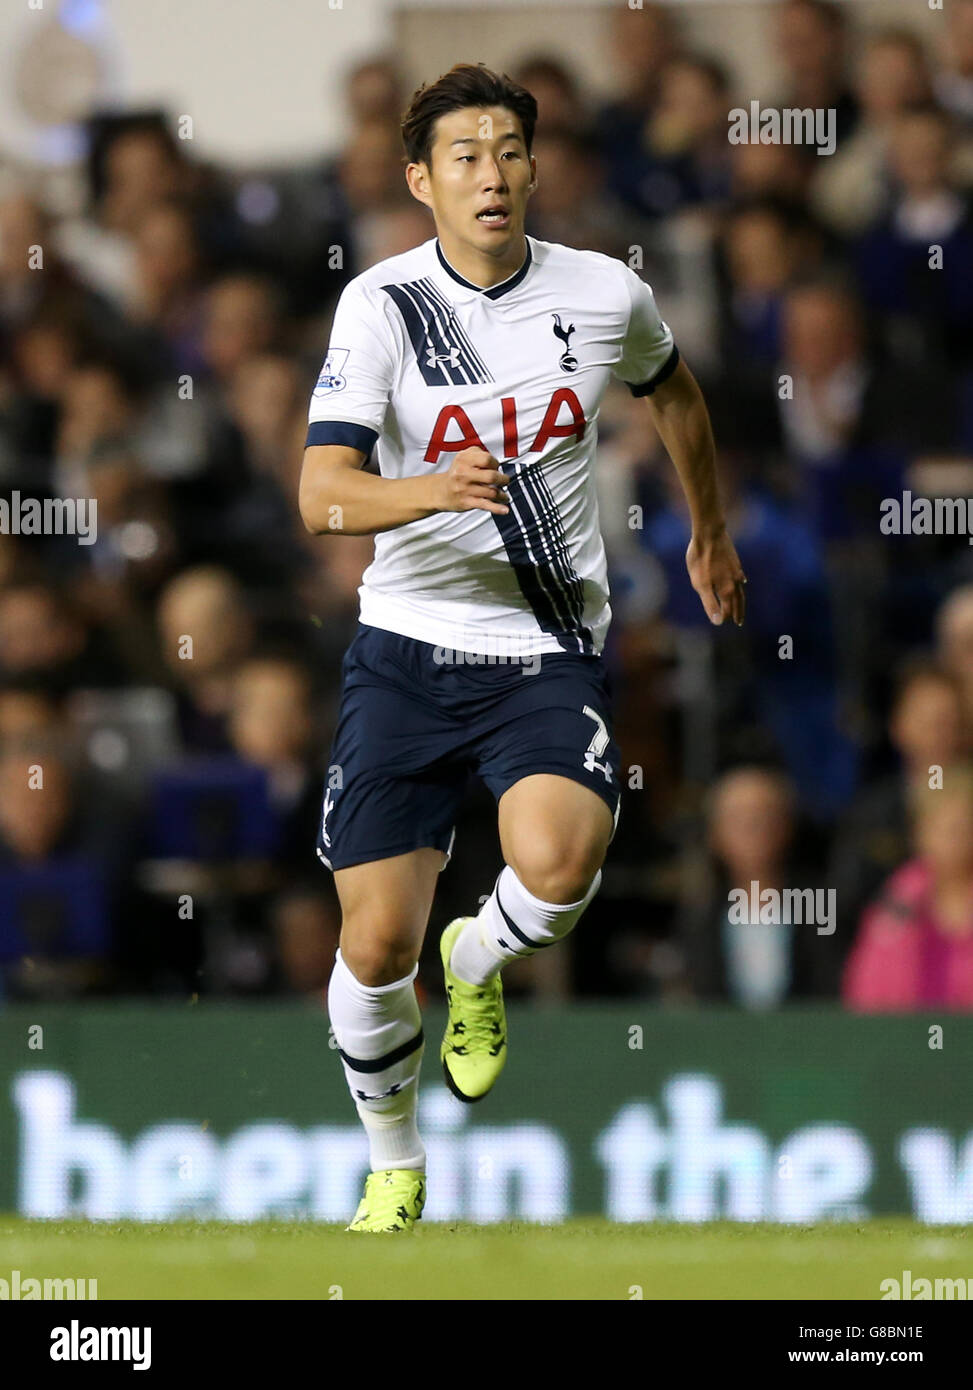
(663,374)
(342,432)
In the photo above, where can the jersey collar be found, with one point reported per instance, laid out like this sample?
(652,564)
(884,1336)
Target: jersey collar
(494,291)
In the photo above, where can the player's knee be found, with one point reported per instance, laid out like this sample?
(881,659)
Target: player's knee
(376,957)
(556,875)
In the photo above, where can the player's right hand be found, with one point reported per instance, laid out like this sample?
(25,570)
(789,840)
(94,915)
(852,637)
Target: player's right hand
(474,483)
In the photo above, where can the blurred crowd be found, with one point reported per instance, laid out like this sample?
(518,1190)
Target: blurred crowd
(168,692)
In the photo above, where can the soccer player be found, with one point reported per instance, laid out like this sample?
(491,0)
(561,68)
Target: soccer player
(471,370)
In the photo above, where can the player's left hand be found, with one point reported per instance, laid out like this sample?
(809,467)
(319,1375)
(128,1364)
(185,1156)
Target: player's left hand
(717,576)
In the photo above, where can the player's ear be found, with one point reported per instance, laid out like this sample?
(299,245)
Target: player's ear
(417,177)
(533,176)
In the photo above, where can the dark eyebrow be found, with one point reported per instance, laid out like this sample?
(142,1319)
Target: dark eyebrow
(471,139)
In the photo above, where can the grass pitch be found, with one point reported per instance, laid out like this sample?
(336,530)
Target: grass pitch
(582,1259)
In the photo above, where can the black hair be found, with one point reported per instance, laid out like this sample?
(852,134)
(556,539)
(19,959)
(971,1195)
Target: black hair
(465,85)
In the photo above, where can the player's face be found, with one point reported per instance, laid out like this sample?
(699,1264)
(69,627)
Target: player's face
(479,160)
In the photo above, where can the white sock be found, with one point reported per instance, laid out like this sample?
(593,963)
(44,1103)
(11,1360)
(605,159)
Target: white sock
(379,1033)
(512,923)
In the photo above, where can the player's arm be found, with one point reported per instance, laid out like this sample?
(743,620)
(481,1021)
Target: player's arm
(337,498)
(651,366)
(680,416)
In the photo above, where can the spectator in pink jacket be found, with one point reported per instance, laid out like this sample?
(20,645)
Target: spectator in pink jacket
(914,948)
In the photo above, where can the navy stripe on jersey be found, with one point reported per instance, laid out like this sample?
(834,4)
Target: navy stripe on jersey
(455,327)
(553,531)
(450,327)
(663,374)
(544,576)
(543,542)
(444,354)
(342,432)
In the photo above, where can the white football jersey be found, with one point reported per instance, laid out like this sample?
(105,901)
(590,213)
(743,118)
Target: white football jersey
(421,364)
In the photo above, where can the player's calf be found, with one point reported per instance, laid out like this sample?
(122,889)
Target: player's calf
(512,923)
(378,1030)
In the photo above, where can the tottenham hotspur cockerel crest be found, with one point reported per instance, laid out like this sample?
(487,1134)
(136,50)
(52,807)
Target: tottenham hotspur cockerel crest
(568,362)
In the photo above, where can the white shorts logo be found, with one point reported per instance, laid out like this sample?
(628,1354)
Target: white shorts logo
(328,804)
(599,742)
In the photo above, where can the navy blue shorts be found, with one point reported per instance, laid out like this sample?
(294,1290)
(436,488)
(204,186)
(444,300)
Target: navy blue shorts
(414,729)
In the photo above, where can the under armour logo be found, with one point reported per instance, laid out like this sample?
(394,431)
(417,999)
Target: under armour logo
(568,362)
(591,764)
(393,1090)
(434,358)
